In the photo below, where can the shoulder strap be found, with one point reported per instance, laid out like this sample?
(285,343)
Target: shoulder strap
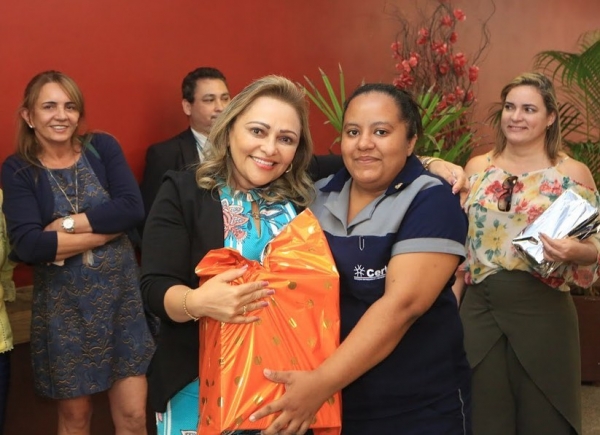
(87,144)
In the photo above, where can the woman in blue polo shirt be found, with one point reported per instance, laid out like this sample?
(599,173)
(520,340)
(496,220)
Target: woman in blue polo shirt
(397,234)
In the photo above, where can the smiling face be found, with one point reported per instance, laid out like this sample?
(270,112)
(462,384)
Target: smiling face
(525,117)
(263,141)
(374,143)
(53,117)
(210,98)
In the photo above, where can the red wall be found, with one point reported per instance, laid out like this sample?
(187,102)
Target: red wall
(129,56)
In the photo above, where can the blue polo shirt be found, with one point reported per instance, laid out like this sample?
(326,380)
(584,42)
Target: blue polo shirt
(417,213)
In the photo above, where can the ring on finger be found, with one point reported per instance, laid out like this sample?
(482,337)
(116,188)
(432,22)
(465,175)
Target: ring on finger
(244,310)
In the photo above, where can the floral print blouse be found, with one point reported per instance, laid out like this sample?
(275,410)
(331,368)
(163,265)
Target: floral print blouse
(241,232)
(489,247)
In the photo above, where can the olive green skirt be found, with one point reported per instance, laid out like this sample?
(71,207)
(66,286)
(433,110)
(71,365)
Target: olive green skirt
(541,326)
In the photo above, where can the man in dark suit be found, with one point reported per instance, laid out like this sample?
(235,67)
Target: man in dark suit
(204,96)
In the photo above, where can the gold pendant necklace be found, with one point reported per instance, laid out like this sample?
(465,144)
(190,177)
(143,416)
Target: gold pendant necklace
(75,208)
(254,215)
(254,211)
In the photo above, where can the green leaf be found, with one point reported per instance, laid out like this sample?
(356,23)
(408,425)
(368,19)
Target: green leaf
(319,100)
(331,105)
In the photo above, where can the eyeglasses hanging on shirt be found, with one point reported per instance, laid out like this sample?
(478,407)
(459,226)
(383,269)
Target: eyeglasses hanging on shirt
(505,198)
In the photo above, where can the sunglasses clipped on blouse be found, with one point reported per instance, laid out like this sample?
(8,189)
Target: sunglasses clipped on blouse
(505,198)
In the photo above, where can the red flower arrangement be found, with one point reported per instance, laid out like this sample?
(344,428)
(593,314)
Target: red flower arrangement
(428,59)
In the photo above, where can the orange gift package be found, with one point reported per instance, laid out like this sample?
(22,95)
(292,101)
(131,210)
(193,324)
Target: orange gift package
(297,331)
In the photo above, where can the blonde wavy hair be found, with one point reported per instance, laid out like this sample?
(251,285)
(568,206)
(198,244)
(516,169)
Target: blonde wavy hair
(217,169)
(553,138)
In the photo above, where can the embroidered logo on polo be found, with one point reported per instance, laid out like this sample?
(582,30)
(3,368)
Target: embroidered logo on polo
(362,274)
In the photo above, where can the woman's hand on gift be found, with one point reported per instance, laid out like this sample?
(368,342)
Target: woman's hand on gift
(221,300)
(568,250)
(304,396)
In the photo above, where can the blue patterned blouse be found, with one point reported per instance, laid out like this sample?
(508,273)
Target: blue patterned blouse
(241,232)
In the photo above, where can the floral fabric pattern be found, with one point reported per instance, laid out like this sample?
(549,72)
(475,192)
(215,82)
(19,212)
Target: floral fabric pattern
(241,230)
(489,247)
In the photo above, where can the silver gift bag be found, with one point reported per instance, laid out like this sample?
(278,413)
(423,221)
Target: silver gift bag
(569,216)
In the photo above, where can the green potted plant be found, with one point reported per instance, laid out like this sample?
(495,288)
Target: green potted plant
(577,76)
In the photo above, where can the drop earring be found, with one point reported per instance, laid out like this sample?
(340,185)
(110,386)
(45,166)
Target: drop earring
(289,169)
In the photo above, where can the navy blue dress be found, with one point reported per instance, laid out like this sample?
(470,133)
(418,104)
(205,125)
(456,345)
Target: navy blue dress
(88,327)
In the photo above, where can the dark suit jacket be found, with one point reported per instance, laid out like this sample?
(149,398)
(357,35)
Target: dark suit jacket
(179,152)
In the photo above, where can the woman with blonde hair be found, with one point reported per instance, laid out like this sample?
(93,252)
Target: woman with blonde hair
(521,332)
(251,185)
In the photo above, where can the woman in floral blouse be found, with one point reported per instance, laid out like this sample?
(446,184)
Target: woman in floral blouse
(521,333)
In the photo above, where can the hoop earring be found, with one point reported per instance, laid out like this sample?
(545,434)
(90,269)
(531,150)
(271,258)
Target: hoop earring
(289,169)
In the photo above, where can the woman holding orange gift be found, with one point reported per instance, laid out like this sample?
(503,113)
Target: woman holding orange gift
(247,190)
(243,195)
(397,234)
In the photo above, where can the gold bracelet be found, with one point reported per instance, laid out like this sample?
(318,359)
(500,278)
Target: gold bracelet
(427,161)
(423,160)
(185,310)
